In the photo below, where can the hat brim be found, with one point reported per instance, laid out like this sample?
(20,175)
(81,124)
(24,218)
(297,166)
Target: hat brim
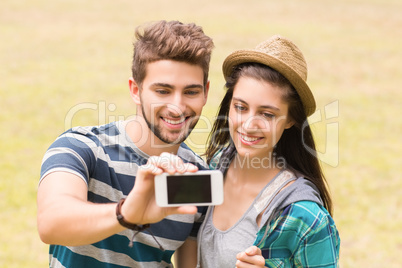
(243,56)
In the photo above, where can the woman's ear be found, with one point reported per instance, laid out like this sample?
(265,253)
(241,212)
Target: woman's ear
(134,91)
(290,122)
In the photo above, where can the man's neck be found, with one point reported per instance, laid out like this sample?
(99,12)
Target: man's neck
(145,140)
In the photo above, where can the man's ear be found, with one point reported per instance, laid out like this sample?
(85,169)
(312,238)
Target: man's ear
(206,90)
(134,91)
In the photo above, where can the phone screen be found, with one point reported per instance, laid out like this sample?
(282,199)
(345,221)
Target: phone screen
(189,189)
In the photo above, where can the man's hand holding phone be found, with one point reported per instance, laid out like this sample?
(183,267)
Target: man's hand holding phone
(140,206)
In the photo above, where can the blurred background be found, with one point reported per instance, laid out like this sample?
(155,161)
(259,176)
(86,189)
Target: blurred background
(67,63)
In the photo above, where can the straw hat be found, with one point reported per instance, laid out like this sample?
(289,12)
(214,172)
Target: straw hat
(282,55)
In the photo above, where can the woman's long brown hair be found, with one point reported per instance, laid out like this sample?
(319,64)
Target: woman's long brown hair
(296,145)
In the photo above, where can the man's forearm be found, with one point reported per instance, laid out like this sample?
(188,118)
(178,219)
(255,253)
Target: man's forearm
(72,222)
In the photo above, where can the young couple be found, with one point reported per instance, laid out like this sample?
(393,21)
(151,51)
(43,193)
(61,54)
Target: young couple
(96,203)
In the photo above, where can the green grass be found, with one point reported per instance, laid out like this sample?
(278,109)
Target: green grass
(59,55)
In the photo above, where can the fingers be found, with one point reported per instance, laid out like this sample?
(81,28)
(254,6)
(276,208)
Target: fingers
(253,250)
(251,257)
(169,163)
(156,165)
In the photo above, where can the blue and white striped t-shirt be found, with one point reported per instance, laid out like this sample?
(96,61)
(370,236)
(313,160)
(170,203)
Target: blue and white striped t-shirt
(107,160)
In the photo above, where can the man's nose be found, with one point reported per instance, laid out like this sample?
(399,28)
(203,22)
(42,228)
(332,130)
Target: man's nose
(177,105)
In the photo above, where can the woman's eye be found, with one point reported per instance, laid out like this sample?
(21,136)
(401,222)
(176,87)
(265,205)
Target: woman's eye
(239,108)
(268,115)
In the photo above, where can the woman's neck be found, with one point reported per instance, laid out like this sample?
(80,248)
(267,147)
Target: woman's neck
(253,169)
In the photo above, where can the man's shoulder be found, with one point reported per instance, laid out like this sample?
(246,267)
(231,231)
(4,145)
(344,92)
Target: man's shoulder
(110,129)
(96,135)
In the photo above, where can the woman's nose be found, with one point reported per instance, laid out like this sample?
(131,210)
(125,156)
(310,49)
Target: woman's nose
(254,122)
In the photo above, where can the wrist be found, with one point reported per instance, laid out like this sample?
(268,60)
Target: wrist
(122,220)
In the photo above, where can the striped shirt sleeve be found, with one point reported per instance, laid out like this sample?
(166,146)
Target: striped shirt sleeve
(71,152)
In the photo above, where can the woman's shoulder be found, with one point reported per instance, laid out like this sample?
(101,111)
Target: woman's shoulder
(306,207)
(309,212)
(308,219)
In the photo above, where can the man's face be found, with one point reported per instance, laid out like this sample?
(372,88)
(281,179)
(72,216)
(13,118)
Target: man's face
(171,97)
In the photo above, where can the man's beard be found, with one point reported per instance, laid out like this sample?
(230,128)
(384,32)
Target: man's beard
(158,130)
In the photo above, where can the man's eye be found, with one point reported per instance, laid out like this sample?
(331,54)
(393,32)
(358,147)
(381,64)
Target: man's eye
(192,92)
(162,91)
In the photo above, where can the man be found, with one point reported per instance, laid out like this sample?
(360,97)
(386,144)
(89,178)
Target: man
(96,195)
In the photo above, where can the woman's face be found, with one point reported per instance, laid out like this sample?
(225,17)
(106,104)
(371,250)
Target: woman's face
(257,117)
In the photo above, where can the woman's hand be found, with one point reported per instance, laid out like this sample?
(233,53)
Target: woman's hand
(140,206)
(251,258)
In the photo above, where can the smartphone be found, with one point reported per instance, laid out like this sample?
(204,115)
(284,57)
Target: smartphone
(201,188)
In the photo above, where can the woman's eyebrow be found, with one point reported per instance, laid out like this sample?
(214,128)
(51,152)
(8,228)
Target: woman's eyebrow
(262,106)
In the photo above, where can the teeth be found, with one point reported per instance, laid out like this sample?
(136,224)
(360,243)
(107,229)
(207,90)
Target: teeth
(175,122)
(246,138)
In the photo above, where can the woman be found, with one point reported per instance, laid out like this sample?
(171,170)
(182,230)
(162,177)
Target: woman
(276,196)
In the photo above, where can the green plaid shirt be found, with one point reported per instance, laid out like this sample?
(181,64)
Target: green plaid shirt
(304,235)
